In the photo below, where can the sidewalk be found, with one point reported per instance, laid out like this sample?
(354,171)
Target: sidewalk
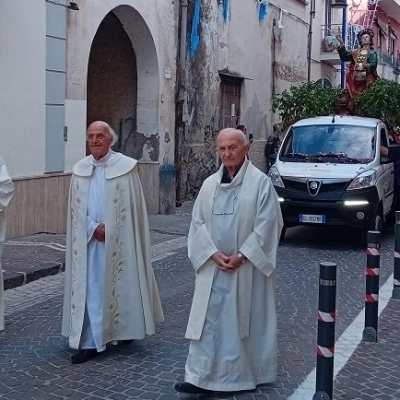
(29,258)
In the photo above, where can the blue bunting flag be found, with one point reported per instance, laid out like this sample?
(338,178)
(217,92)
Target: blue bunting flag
(263,10)
(194,37)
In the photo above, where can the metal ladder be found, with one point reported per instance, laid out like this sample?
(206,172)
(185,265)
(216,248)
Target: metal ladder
(369,16)
(367,22)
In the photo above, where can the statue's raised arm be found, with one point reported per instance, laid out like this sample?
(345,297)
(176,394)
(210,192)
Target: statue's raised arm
(363,62)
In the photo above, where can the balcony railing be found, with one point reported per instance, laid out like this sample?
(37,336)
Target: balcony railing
(351,36)
(389,59)
(352,43)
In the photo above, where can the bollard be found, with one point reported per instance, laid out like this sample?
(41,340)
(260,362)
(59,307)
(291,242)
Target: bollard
(326,331)
(370,333)
(396,274)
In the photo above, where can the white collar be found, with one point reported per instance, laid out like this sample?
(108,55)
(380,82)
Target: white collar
(103,161)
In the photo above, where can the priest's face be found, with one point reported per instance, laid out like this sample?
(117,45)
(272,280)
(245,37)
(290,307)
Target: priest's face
(232,148)
(99,139)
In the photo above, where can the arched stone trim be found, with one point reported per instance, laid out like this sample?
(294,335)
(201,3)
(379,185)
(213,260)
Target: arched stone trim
(147,69)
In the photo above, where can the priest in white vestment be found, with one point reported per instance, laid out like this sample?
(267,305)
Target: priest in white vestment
(110,290)
(232,244)
(6,192)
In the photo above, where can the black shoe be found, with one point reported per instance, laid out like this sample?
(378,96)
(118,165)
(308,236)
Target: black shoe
(129,341)
(84,355)
(191,389)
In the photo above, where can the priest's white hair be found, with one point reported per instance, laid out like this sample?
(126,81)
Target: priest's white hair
(234,132)
(113,134)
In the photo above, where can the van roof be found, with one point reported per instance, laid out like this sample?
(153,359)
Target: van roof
(339,120)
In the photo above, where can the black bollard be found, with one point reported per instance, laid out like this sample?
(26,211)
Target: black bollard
(370,333)
(326,331)
(396,274)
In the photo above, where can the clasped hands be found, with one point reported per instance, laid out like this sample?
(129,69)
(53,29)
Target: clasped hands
(226,263)
(100,233)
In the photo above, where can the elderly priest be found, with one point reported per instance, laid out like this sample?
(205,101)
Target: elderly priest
(110,290)
(232,244)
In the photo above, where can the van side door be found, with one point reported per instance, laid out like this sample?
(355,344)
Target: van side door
(385,182)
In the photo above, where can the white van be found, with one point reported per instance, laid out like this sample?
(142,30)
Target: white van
(335,170)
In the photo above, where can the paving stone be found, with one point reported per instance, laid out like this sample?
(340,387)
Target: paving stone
(78,396)
(118,396)
(33,352)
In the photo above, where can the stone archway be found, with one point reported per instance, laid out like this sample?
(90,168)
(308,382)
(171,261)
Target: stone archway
(123,83)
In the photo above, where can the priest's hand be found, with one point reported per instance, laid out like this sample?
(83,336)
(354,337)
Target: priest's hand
(225,263)
(221,260)
(100,233)
(234,263)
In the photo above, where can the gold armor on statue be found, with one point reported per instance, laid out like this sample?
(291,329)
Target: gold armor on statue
(360,70)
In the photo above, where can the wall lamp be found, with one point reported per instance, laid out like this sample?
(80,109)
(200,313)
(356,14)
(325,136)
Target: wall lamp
(72,5)
(339,4)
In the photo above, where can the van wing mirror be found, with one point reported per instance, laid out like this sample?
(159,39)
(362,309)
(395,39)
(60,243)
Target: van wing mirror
(394,152)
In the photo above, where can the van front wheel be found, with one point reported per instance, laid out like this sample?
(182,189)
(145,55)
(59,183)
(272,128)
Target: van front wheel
(283,233)
(377,222)
(376,225)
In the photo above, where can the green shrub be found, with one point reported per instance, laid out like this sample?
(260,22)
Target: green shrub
(305,101)
(380,100)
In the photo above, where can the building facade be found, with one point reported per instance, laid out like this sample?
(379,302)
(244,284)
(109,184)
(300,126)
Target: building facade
(65,65)
(240,53)
(166,75)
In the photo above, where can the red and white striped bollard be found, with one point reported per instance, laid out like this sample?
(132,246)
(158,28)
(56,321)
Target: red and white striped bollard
(370,333)
(326,331)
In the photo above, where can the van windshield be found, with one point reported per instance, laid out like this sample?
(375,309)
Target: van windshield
(329,143)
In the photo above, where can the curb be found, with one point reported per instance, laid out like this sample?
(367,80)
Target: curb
(16,279)
(160,224)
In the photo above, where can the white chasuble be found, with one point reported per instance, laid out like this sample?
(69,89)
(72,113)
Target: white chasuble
(233,323)
(92,333)
(6,192)
(110,289)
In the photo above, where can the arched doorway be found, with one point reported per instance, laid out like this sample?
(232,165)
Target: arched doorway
(123,83)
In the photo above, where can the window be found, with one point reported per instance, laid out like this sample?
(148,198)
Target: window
(392,41)
(381,40)
(230,100)
(328,15)
(329,143)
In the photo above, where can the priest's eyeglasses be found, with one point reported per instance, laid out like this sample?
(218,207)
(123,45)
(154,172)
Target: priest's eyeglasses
(224,203)
(99,136)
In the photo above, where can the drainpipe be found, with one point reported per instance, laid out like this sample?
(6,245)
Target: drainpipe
(273,51)
(344,37)
(179,123)
(310,32)
(182,48)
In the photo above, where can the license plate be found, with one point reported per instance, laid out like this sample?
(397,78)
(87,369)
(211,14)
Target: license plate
(312,219)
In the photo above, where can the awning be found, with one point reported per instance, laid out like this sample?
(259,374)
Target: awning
(230,74)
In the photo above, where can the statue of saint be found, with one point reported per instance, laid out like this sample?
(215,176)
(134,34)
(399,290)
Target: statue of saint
(363,62)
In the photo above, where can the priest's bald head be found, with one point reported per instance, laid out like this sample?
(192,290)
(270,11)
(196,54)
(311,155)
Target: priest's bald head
(100,138)
(232,148)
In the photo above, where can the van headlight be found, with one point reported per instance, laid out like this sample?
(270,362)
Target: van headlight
(363,180)
(275,177)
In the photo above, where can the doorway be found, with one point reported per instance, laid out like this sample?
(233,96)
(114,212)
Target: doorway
(123,83)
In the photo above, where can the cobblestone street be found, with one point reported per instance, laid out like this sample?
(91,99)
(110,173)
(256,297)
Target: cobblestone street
(34,358)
